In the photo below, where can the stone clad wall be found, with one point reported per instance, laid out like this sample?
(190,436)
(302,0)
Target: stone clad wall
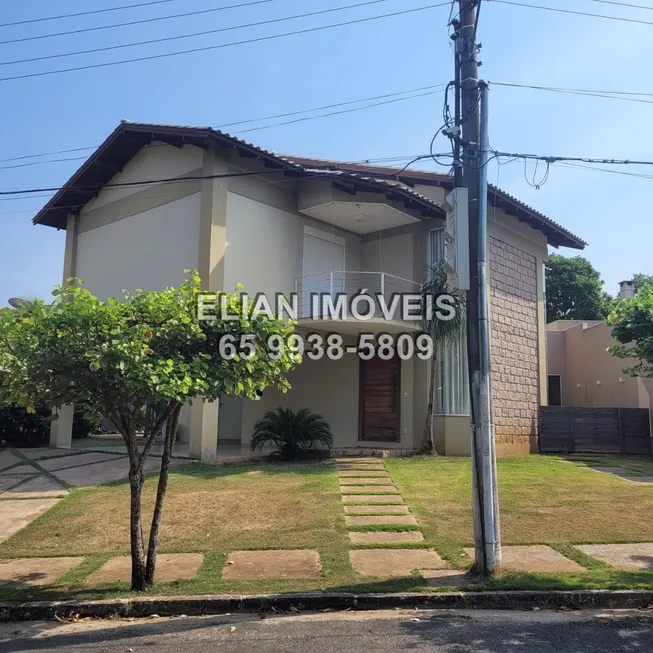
(514,347)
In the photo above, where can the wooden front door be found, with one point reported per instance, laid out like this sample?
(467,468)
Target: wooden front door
(379,387)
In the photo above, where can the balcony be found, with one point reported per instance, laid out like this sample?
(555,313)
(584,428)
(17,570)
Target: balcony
(325,299)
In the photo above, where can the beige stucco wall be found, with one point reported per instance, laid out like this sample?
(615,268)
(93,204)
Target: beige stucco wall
(331,388)
(149,250)
(556,353)
(263,245)
(452,434)
(590,375)
(155,161)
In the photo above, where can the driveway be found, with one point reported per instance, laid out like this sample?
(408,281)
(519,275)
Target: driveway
(34,480)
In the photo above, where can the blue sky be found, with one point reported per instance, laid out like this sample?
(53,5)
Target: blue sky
(520,45)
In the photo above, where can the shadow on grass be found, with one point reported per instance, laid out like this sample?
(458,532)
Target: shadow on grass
(205,472)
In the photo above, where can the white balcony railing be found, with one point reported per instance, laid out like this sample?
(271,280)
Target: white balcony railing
(351,283)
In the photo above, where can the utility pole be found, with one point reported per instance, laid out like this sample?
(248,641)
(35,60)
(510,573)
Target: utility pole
(474,178)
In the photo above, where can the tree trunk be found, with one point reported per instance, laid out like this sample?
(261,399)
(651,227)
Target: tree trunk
(429,442)
(171,434)
(128,432)
(136,531)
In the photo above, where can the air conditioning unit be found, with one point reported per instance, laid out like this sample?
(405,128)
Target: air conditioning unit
(456,241)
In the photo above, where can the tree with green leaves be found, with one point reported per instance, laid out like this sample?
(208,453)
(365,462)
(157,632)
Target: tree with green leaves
(435,286)
(125,356)
(574,290)
(642,280)
(632,327)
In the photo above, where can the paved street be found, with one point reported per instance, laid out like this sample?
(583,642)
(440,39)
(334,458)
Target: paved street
(347,632)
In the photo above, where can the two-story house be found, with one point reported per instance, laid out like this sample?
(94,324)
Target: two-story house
(154,200)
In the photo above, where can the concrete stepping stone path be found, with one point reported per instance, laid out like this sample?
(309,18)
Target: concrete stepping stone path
(628,557)
(17,513)
(386,537)
(254,565)
(169,567)
(371,498)
(35,571)
(373,461)
(373,501)
(537,558)
(376,510)
(369,489)
(366,480)
(380,520)
(394,562)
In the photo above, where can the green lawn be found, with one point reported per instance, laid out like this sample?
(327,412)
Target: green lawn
(223,508)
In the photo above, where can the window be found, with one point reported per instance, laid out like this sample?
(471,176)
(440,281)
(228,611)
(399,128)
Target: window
(451,376)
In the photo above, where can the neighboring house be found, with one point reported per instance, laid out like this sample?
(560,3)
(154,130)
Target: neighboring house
(309,225)
(581,372)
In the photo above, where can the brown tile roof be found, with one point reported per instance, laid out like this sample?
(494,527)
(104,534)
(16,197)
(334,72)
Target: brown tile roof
(129,137)
(556,233)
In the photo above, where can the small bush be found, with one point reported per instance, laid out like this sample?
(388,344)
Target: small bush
(293,433)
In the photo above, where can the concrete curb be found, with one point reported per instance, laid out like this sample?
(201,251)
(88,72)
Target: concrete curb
(217,604)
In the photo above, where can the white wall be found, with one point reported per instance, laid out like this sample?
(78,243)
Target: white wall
(263,245)
(149,250)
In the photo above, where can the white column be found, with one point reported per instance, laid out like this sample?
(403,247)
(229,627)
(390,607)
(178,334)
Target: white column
(61,430)
(203,444)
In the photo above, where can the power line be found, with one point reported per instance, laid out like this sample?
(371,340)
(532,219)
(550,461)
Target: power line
(85,13)
(33,156)
(389,160)
(563,89)
(496,154)
(581,159)
(420,93)
(603,94)
(37,163)
(614,172)
(622,4)
(251,129)
(180,37)
(133,22)
(130,184)
(221,45)
(572,11)
(165,180)
(334,113)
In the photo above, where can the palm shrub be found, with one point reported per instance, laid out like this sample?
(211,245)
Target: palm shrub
(293,433)
(441,331)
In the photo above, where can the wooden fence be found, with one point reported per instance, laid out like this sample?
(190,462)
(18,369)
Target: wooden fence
(594,430)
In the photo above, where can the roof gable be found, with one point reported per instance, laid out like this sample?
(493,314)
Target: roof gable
(129,138)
